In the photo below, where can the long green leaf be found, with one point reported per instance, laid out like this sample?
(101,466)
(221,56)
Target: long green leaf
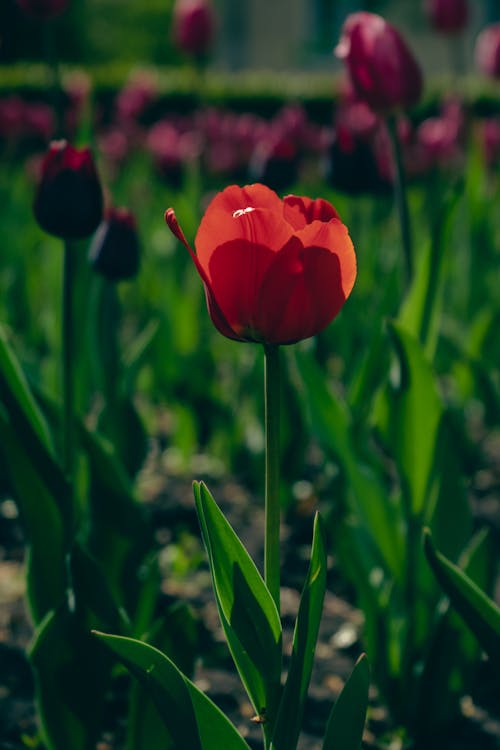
(191,719)
(46,564)
(30,427)
(480,613)
(367,495)
(291,709)
(72,672)
(16,384)
(248,613)
(344,730)
(407,417)
(421,309)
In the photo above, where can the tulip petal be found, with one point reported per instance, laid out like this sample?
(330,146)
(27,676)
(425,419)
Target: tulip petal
(229,217)
(236,270)
(303,291)
(214,310)
(333,237)
(299,210)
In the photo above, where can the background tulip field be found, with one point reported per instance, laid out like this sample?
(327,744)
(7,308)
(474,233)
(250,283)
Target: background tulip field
(379,440)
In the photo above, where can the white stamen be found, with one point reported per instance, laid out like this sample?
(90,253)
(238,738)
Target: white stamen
(242,211)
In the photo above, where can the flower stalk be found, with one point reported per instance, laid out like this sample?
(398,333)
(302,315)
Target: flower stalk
(68,449)
(272,461)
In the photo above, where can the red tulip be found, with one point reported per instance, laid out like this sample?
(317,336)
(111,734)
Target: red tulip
(275,271)
(447,16)
(68,201)
(43,9)
(487,52)
(381,67)
(193,26)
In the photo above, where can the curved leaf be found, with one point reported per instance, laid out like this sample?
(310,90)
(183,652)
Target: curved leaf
(480,613)
(192,720)
(248,613)
(344,730)
(291,709)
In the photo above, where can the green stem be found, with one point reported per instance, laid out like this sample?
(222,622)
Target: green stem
(401,197)
(272,495)
(68,448)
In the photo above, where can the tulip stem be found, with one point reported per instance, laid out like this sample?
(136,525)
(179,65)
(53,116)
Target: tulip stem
(401,197)
(67,361)
(272,494)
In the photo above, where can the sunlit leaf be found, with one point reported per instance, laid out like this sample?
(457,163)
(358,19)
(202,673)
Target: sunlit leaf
(407,417)
(480,612)
(344,730)
(247,610)
(291,709)
(192,720)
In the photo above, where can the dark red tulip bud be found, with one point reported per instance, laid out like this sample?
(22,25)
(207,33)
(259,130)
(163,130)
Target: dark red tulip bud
(114,252)
(193,26)
(447,16)
(382,69)
(487,52)
(68,201)
(43,9)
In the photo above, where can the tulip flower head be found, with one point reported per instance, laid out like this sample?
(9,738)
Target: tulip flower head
(447,16)
(114,252)
(487,51)
(193,26)
(381,67)
(43,9)
(68,201)
(275,271)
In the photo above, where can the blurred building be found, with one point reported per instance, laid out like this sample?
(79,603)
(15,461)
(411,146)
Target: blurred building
(301,34)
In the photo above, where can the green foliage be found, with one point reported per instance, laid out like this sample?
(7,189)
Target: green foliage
(192,720)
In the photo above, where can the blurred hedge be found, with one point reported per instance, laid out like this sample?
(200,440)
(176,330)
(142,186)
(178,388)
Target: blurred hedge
(182,89)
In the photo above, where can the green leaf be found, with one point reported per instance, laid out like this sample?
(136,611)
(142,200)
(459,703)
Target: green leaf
(43,525)
(453,653)
(120,535)
(291,708)
(72,672)
(30,427)
(366,494)
(91,588)
(14,383)
(407,416)
(247,611)
(175,634)
(420,313)
(191,719)
(480,613)
(344,730)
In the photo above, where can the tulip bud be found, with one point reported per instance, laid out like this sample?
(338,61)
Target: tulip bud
(43,9)
(381,67)
(193,26)
(114,252)
(447,16)
(487,52)
(68,201)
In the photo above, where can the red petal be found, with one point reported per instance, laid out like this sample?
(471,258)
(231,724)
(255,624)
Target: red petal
(306,286)
(215,313)
(334,238)
(220,224)
(236,271)
(301,294)
(299,211)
